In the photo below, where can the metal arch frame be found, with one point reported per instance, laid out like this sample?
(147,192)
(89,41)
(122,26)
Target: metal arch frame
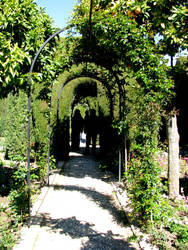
(29,102)
(29,110)
(82,75)
(91,76)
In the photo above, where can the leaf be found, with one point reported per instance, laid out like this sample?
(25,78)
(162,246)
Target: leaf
(29,59)
(13,73)
(7,79)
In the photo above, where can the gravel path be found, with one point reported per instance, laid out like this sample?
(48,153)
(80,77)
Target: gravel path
(77,211)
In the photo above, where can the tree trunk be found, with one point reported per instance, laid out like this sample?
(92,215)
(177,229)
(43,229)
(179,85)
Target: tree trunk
(173,157)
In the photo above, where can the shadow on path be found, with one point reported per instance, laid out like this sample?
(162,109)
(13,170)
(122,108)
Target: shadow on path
(89,220)
(102,200)
(79,229)
(81,166)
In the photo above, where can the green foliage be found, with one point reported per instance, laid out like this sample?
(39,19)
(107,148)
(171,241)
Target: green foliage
(40,120)
(19,201)
(24,28)
(159,239)
(20,177)
(143,116)
(73,79)
(120,37)
(145,188)
(18,197)
(181,232)
(174,235)
(15,125)
(133,238)
(143,120)
(15,131)
(7,239)
(3,111)
(10,223)
(42,164)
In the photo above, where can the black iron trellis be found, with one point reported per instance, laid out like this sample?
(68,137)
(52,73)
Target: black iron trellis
(29,101)
(29,109)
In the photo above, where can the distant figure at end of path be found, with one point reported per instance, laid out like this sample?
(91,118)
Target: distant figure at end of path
(91,128)
(77,128)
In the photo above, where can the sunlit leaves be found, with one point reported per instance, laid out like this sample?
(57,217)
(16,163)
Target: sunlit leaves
(24,27)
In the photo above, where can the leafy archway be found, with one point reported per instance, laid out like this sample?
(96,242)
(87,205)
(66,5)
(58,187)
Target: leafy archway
(77,82)
(90,76)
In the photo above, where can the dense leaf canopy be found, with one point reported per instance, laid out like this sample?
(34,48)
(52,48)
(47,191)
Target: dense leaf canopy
(23,28)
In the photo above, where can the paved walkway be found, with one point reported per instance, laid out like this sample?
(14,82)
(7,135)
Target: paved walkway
(77,211)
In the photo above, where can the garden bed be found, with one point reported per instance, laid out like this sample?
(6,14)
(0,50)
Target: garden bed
(162,158)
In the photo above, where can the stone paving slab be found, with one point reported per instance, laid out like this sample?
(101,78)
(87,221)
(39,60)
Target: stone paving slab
(76,211)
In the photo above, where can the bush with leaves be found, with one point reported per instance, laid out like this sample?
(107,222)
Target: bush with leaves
(145,188)
(15,132)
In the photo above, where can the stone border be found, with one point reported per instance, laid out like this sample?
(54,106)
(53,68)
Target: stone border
(123,200)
